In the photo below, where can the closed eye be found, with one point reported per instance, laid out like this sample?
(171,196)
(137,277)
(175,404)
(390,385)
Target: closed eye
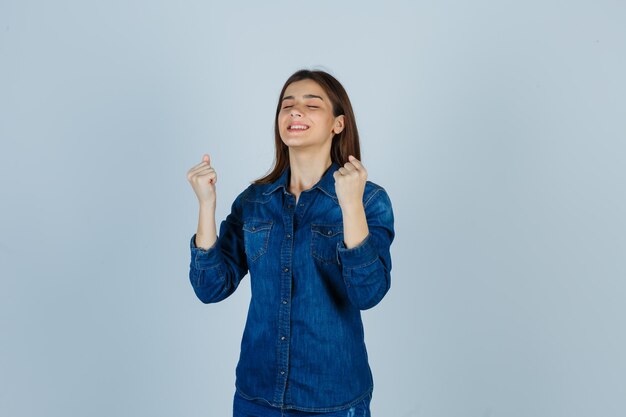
(313,107)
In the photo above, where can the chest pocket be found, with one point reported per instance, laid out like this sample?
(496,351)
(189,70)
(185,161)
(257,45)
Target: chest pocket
(256,236)
(324,240)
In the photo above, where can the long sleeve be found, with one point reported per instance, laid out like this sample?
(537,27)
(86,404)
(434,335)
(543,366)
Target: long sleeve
(366,268)
(215,273)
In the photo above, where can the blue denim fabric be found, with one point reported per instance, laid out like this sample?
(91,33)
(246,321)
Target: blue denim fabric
(243,407)
(303,344)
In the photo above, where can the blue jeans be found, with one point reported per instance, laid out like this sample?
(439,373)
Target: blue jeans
(243,407)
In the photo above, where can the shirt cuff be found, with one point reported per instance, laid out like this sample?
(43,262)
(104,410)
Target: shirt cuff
(363,254)
(203,258)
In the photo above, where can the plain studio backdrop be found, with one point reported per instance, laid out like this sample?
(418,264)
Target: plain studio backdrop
(497,128)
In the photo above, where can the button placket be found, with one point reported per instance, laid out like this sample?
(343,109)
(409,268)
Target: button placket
(284,323)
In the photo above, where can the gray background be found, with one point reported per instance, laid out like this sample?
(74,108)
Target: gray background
(496,127)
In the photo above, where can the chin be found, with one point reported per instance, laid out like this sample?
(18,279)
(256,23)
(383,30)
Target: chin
(302,142)
(296,141)
(295,144)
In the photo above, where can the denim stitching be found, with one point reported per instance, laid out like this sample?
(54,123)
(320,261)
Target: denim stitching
(320,240)
(262,232)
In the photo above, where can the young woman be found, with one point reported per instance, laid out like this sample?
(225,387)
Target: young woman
(315,236)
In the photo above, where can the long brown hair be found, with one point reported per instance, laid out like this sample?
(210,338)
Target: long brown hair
(344,143)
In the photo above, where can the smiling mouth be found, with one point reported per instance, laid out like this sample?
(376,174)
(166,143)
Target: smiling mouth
(297,128)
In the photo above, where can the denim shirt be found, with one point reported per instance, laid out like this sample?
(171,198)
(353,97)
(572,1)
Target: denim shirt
(303,343)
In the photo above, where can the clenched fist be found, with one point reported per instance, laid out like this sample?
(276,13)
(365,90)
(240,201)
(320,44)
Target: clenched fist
(202,178)
(350,183)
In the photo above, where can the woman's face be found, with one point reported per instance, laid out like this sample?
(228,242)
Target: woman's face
(306,116)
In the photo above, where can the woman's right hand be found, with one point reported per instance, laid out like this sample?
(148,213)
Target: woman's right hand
(202,178)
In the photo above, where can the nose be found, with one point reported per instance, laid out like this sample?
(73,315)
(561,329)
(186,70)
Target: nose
(296,110)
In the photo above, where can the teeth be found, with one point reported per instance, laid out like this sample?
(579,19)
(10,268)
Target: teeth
(300,127)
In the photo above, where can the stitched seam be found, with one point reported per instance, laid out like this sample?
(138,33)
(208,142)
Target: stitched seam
(318,239)
(371,197)
(265,231)
(362,265)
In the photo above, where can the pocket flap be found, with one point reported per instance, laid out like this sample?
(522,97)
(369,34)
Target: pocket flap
(257,225)
(328,230)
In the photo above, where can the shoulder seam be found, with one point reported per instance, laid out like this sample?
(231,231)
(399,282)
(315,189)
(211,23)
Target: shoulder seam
(376,191)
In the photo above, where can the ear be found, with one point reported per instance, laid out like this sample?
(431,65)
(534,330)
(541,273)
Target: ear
(339,124)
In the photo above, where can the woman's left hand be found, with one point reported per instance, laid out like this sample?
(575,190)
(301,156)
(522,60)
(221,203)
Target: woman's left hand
(350,183)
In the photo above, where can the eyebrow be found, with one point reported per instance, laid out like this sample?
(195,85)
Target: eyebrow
(305,96)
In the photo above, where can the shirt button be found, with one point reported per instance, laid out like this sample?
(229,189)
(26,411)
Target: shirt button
(329,232)
(284,301)
(286,269)
(282,338)
(301,204)
(288,235)
(282,372)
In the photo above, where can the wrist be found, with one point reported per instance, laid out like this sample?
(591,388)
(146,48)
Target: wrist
(207,205)
(351,207)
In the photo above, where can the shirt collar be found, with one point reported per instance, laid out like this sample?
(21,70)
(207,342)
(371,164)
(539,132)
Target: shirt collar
(326,183)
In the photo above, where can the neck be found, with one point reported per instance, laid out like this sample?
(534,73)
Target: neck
(306,170)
